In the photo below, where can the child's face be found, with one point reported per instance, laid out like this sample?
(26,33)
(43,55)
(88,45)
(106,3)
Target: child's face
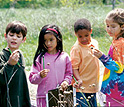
(14,40)
(112,28)
(51,43)
(84,36)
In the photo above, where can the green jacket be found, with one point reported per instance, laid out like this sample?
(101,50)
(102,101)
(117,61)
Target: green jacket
(13,83)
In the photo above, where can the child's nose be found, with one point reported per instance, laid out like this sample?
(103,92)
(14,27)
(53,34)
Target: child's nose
(109,29)
(14,37)
(83,39)
(48,42)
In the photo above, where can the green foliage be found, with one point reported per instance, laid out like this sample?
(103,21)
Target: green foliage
(64,17)
(5,3)
(78,3)
(53,3)
(72,3)
(27,3)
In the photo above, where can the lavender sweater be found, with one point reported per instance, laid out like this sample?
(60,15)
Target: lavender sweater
(60,70)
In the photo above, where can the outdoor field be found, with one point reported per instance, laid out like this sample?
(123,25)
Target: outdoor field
(64,16)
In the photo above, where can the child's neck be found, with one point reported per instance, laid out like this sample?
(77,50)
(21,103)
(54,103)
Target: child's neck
(117,38)
(9,49)
(52,52)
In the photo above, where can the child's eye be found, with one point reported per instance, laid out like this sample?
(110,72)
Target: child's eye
(11,35)
(80,36)
(51,39)
(18,36)
(107,26)
(86,35)
(113,26)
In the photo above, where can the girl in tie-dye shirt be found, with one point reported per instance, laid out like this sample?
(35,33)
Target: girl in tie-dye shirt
(113,78)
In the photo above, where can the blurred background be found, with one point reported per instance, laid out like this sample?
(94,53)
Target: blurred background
(36,13)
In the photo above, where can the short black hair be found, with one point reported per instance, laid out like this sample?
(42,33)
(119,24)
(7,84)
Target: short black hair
(16,27)
(82,24)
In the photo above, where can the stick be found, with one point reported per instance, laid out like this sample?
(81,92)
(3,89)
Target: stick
(17,62)
(75,79)
(43,63)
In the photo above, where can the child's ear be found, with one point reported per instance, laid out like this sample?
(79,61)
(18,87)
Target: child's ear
(5,35)
(91,30)
(24,39)
(75,33)
(122,27)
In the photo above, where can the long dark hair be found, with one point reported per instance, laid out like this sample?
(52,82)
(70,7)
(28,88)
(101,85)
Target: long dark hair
(41,50)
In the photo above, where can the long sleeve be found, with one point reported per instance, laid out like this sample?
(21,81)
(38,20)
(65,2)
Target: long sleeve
(5,68)
(68,71)
(14,82)
(34,76)
(111,64)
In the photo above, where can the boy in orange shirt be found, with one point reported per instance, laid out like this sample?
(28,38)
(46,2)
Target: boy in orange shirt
(85,64)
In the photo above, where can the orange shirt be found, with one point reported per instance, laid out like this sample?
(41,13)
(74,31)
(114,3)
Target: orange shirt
(118,50)
(88,65)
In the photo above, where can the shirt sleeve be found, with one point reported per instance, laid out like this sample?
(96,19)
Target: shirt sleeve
(122,53)
(122,50)
(5,70)
(75,58)
(68,72)
(34,76)
(109,63)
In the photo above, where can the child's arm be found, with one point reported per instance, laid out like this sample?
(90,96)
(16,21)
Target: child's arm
(34,76)
(68,73)
(2,66)
(76,60)
(7,65)
(37,73)
(106,60)
(78,83)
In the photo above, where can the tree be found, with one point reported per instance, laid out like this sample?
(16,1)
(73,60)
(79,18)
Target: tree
(113,4)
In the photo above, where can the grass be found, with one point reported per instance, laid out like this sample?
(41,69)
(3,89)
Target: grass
(63,17)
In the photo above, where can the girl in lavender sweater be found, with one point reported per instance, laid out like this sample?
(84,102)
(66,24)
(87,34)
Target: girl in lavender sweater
(51,66)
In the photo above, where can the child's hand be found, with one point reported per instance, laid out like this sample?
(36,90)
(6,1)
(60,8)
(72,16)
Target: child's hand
(77,84)
(64,85)
(14,57)
(44,73)
(97,53)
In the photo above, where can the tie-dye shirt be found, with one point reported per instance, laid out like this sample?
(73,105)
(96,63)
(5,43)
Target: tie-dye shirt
(113,79)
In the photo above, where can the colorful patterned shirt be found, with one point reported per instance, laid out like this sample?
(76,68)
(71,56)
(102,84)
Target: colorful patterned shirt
(113,79)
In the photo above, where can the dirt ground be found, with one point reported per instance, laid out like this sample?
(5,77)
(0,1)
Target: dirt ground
(32,90)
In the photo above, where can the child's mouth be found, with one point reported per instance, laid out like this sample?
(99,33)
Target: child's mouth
(13,43)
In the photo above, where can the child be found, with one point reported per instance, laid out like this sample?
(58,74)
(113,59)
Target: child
(85,65)
(113,79)
(13,83)
(52,66)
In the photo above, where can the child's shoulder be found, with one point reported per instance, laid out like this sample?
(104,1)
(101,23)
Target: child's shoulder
(1,53)
(94,42)
(76,45)
(64,53)
(4,52)
(119,42)
(4,55)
